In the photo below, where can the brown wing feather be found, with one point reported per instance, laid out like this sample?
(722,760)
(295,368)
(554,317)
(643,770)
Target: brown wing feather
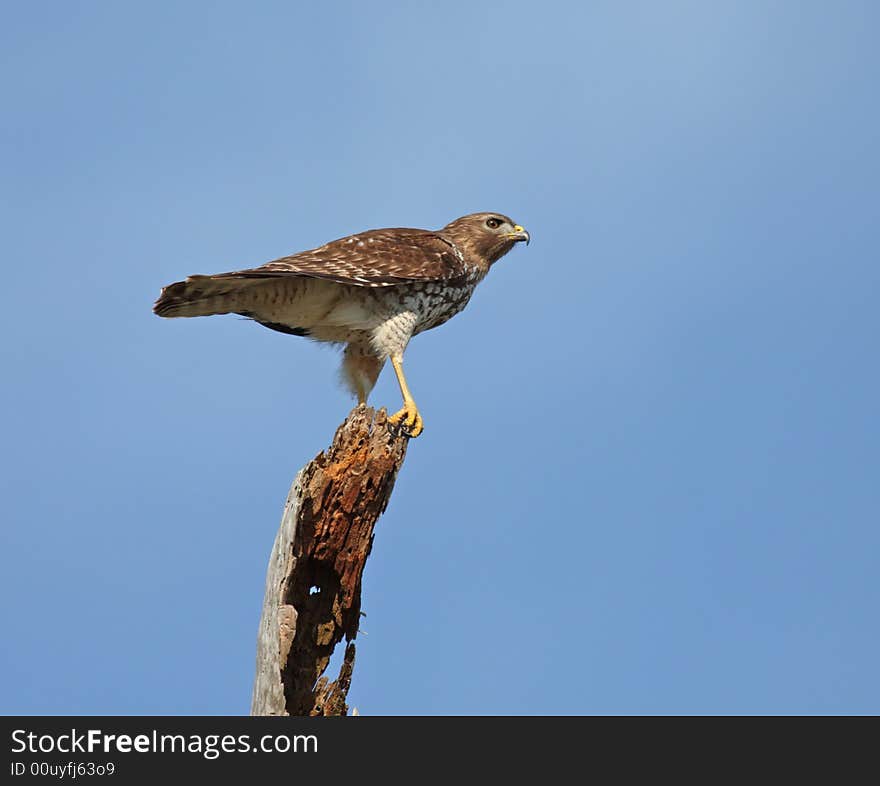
(378,258)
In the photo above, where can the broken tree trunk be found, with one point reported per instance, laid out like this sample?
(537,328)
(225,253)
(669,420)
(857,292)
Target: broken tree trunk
(313,584)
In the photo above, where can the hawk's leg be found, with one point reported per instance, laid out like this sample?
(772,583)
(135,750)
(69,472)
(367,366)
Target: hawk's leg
(360,370)
(409,416)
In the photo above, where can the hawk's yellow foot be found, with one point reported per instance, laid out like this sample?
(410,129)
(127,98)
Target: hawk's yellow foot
(408,418)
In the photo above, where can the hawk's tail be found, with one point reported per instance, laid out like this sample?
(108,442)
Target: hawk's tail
(198,296)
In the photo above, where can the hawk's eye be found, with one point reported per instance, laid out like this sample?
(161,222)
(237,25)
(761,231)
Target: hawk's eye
(493,223)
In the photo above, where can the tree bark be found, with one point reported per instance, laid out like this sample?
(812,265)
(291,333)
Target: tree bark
(313,584)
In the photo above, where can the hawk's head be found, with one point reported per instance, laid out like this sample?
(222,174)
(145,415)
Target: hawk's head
(485,236)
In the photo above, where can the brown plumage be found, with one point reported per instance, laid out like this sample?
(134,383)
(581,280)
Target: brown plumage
(370,292)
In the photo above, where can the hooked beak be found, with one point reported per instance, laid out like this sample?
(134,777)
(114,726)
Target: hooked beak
(519,234)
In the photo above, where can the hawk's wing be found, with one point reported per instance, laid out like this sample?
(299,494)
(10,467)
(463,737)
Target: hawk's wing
(378,258)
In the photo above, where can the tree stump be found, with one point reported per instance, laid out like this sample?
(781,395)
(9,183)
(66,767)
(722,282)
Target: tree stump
(313,584)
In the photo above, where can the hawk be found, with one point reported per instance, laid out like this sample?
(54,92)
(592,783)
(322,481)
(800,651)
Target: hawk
(370,292)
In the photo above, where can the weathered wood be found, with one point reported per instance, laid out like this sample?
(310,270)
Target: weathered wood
(313,584)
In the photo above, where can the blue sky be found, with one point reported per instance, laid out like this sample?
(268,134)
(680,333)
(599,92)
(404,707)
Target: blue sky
(648,481)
